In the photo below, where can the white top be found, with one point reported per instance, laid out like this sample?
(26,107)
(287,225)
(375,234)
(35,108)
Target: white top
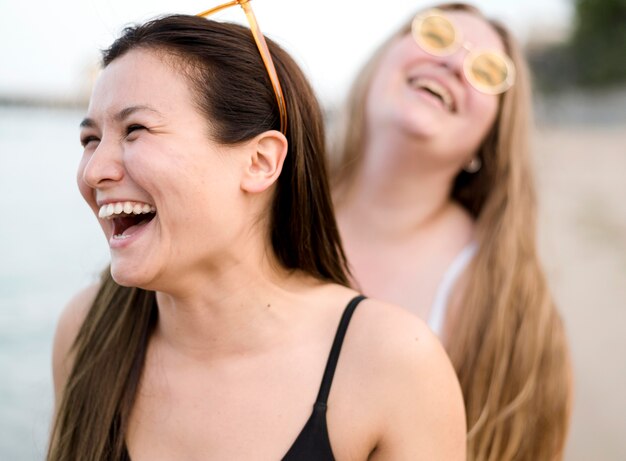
(442,295)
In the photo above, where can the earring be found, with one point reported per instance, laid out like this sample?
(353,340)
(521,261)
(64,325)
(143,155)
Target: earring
(473,166)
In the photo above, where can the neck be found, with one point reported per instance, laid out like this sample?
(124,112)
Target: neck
(241,307)
(399,188)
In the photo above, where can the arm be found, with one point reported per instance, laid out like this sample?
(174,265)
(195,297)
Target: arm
(422,406)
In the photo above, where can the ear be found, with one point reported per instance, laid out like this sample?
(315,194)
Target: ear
(264,162)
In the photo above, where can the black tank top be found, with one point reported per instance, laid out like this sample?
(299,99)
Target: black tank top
(313,443)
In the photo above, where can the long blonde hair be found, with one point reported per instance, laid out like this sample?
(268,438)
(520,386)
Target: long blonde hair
(508,344)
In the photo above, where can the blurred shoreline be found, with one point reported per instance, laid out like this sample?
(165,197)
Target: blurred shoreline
(602,107)
(44,102)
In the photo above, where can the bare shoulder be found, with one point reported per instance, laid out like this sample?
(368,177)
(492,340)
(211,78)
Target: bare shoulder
(70,321)
(415,385)
(401,342)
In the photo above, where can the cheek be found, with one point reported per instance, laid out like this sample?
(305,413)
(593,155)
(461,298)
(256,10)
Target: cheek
(485,112)
(387,70)
(149,162)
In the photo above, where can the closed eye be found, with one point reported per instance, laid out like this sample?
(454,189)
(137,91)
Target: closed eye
(86,140)
(134,127)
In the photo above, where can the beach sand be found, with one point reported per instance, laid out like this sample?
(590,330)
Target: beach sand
(582,194)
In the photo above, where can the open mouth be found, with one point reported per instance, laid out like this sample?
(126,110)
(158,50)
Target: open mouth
(127,217)
(435,89)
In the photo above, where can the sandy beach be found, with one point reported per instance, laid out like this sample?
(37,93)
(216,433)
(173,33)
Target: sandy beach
(581,174)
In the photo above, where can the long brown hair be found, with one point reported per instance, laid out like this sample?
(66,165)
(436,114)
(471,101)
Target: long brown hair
(233,91)
(508,343)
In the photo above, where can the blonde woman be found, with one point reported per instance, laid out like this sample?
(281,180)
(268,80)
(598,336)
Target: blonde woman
(225,329)
(436,206)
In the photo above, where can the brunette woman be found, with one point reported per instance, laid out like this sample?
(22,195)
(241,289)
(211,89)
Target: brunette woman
(225,329)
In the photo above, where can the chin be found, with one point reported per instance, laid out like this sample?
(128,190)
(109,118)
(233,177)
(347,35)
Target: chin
(126,275)
(425,125)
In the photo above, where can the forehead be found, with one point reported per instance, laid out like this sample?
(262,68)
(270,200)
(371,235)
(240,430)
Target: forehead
(138,78)
(476,30)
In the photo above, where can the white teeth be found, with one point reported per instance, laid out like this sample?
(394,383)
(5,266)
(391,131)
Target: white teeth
(436,88)
(117,208)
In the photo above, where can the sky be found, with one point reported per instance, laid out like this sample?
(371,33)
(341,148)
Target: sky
(47,47)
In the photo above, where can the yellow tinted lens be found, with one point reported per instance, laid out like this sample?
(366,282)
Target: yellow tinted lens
(489,71)
(434,32)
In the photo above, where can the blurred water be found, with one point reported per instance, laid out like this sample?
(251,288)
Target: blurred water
(50,246)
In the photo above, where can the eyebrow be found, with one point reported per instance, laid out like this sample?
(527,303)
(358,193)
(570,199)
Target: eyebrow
(121,115)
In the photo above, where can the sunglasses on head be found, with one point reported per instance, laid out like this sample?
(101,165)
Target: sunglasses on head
(263,50)
(489,71)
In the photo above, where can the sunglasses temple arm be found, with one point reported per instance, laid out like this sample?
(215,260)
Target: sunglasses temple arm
(264,51)
(269,64)
(210,11)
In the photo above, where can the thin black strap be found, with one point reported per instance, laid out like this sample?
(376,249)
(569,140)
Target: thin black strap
(333,357)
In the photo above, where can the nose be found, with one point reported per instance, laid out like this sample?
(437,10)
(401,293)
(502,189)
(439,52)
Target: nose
(103,166)
(456,60)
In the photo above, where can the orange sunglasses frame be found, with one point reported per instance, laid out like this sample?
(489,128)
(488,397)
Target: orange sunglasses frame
(263,50)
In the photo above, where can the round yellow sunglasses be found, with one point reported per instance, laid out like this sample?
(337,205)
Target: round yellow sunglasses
(489,71)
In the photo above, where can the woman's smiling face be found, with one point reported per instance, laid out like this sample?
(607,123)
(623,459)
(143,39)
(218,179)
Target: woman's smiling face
(429,97)
(166,194)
